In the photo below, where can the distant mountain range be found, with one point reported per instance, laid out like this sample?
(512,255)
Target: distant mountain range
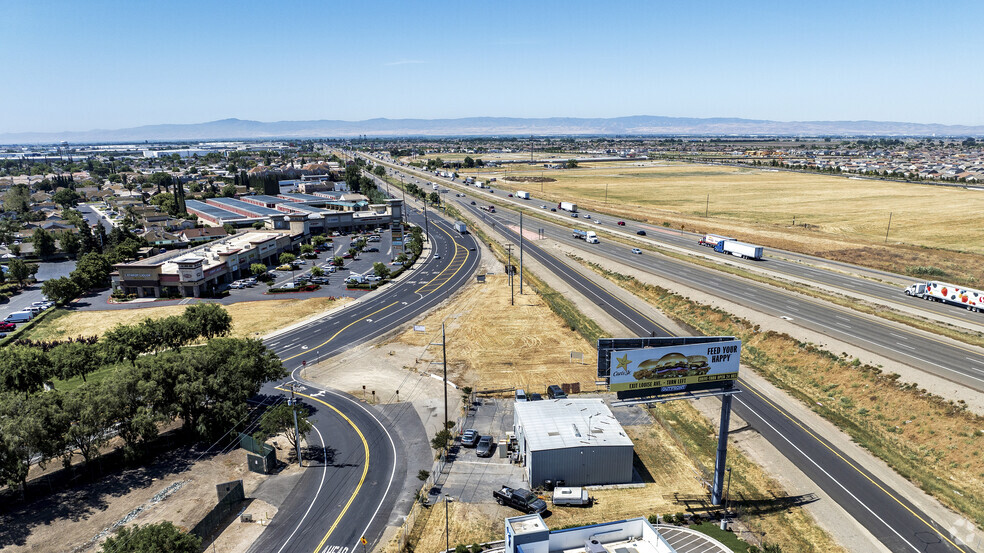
(494,126)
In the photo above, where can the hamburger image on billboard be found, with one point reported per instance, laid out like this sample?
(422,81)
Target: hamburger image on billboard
(675,365)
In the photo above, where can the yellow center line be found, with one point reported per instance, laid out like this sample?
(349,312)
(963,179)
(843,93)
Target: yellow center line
(365,467)
(333,336)
(850,464)
(457,247)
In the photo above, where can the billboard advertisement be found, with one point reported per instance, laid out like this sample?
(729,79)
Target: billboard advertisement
(674,367)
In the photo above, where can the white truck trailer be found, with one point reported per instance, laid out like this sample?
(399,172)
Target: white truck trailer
(523,195)
(567,206)
(739,249)
(968,298)
(588,236)
(460,227)
(711,240)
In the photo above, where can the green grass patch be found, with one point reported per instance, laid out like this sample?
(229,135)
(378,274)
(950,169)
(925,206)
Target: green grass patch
(729,539)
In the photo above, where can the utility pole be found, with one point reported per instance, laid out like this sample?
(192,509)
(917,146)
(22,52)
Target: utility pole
(707,205)
(426,222)
(509,272)
(444,353)
(520,253)
(606,193)
(297,433)
(889,226)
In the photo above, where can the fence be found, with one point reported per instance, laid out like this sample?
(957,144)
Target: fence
(230,495)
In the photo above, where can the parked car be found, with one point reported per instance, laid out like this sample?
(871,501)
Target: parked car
(470,438)
(485,446)
(320,280)
(237,285)
(534,397)
(346,255)
(7,326)
(555,392)
(641,232)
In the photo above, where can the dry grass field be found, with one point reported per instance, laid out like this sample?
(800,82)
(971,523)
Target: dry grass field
(249,319)
(831,216)
(492,345)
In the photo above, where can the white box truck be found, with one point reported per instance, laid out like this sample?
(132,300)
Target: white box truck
(567,206)
(460,227)
(739,249)
(968,298)
(523,195)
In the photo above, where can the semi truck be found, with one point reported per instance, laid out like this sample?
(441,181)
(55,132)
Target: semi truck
(520,499)
(588,236)
(460,227)
(567,206)
(711,240)
(739,249)
(523,195)
(969,298)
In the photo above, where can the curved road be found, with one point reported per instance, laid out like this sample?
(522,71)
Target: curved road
(350,491)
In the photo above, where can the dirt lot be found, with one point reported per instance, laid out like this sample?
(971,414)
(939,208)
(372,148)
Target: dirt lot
(248,318)
(179,487)
(529,348)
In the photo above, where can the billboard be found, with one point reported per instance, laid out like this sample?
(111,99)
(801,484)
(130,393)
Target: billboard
(674,367)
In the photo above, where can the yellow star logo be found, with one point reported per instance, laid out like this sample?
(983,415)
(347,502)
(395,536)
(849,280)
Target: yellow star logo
(623,362)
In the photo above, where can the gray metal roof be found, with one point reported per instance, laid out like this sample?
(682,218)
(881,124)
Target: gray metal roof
(213,211)
(566,423)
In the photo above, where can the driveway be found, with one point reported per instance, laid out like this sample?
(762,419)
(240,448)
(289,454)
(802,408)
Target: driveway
(33,293)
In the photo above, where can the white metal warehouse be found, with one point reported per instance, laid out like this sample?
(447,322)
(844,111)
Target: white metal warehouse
(574,440)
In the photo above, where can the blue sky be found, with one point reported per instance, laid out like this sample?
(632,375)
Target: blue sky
(80,65)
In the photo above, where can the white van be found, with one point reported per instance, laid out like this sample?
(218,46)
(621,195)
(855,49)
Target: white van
(19,317)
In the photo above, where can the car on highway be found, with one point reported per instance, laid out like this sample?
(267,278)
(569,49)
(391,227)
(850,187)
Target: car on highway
(597,221)
(473,202)
(641,232)
(574,215)
(554,209)
(485,446)
(637,251)
(620,223)
(437,256)
(470,438)
(510,195)
(587,215)
(543,207)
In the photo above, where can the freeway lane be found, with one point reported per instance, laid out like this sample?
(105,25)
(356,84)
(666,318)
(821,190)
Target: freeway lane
(894,521)
(349,491)
(947,359)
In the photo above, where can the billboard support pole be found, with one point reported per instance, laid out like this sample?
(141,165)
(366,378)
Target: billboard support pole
(721,460)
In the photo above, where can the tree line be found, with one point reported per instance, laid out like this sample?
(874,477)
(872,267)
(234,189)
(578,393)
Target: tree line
(149,377)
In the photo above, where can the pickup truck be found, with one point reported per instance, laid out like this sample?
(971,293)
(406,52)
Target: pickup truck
(518,498)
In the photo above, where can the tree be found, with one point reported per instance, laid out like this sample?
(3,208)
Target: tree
(258,269)
(17,198)
(8,227)
(15,249)
(23,369)
(434,198)
(30,431)
(66,197)
(76,359)
(571,164)
(287,258)
(319,239)
(92,271)
(69,243)
(44,243)
(307,249)
(61,290)
(442,439)
(338,261)
(381,270)
(469,162)
(126,342)
(166,201)
(87,422)
(259,225)
(162,537)
(379,171)
(21,271)
(229,190)
(352,251)
(281,419)
(208,319)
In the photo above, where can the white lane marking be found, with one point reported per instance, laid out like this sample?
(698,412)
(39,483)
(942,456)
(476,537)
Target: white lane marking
(843,325)
(979,362)
(900,344)
(841,318)
(834,480)
(324,472)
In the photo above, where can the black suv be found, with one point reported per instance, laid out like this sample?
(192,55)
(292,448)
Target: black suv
(555,392)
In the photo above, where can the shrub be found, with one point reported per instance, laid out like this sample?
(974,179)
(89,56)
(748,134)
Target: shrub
(461,548)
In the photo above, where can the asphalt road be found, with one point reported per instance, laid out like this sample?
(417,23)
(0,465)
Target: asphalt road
(895,522)
(351,491)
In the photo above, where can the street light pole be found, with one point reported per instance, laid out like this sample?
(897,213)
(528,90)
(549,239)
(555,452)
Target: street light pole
(520,253)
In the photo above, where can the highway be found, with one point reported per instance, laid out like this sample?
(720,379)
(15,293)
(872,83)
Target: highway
(895,522)
(351,491)
(948,359)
